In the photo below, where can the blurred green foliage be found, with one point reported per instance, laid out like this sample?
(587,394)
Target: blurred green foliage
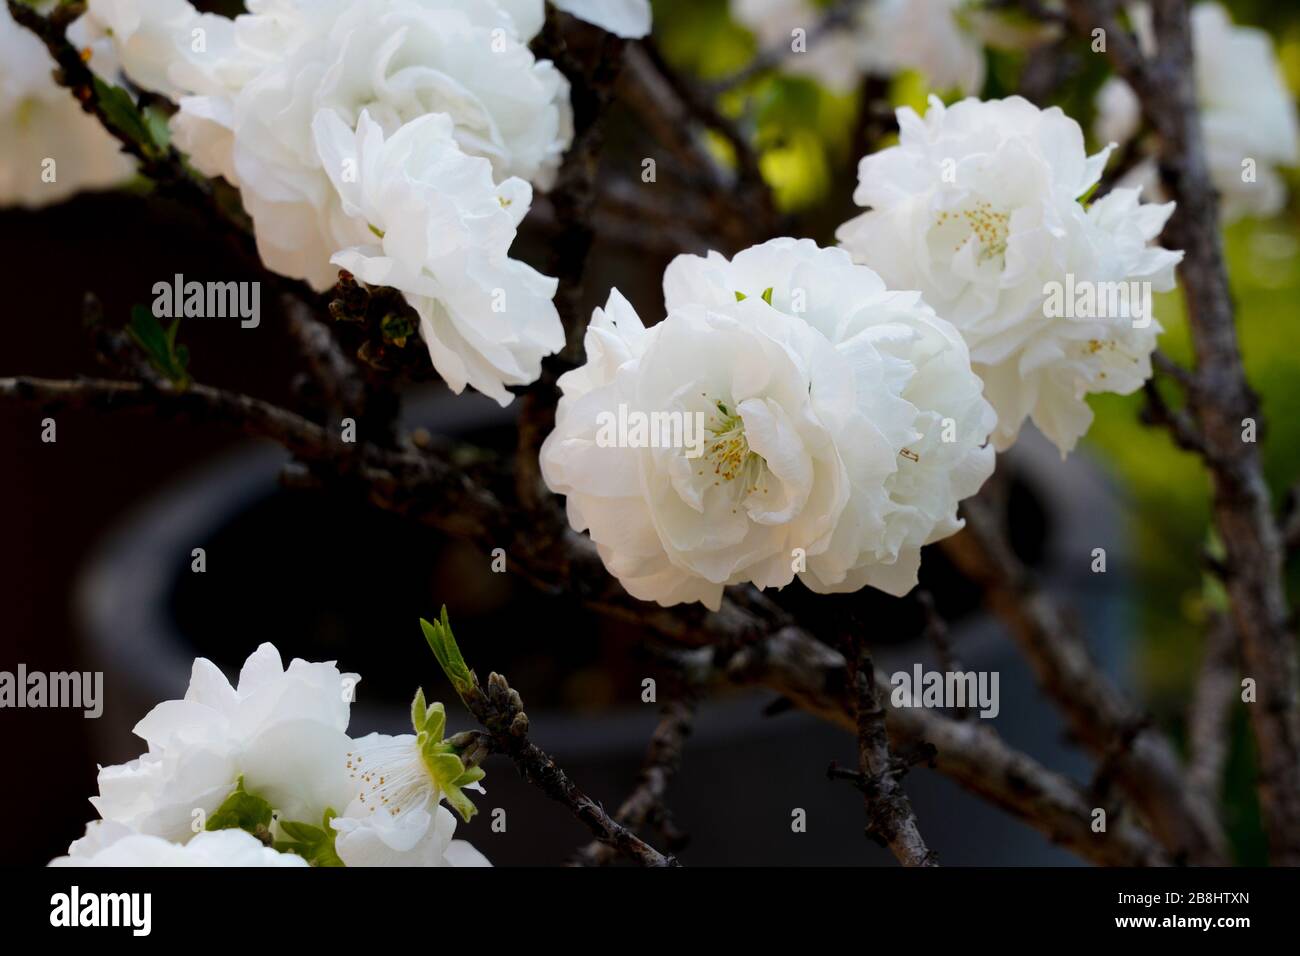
(804,135)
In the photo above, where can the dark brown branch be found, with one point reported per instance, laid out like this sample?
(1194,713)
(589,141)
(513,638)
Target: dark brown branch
(1209,717)
(645,805)
(1223,401)
(1097,713)
(500,710)
(813,676)
(890,818)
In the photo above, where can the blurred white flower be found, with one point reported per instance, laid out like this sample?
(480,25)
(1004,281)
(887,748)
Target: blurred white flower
(424,218)
(841,424)
(164,46)
(248,99)
(833,59)
(283,731)
(396,818)
(978,207)
(1248,116)
(111,844)
(49,147)
(937,38)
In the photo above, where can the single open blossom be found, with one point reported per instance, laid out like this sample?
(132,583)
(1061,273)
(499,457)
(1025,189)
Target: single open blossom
(49,147)
(428,220)
(111,844)
(839,424)
(396,817)
(1247,114)
(978,208)
(247,102)
(282,730)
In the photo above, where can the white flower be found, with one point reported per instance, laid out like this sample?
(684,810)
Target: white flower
(247,103)
(395,818)
(1247,114)
(41,122)
(833,59)
(934,37)
(629,19)
(164,46)
(428,220)
(823,399)
(283,731)
(111,844)
(978,208)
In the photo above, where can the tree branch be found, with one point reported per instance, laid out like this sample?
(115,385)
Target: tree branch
(1241,507)
(645,805)
(1098,714)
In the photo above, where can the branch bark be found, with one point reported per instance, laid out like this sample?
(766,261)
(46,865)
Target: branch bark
(1098,714)
(1241,506)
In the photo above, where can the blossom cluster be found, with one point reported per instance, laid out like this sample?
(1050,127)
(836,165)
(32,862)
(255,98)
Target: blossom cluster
(262,772)
(833,405)
(269,100)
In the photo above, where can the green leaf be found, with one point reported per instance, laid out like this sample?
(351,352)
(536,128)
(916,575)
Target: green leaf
(315,844)
(419,711)
(159,346)
(740,296)
(121,113)
(241,811)
(767,295)
(445,649)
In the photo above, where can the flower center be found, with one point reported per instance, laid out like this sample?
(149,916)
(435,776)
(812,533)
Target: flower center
(727,451)
(981,222)
(391,777)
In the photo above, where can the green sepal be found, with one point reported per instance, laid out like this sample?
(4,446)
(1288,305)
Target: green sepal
(767,295)
(241,811)
(315,844)
(159,346)
(121,113)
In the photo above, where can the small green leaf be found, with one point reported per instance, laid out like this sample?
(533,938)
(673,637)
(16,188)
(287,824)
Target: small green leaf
(159,346)
(419,711)
(314,844)
(767,295)
(444,648)
(121,113)
(740,296)
(241,811)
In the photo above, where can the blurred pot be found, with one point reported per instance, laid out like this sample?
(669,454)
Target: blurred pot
(328,580)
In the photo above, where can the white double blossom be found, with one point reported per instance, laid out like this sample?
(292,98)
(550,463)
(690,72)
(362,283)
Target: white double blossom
(111,844)
(249,89)
(1248,116)
(978,207)
(840,425)
(49,147)
(284,731)
(428,220)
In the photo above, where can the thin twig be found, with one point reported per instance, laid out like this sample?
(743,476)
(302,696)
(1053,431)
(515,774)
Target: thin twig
(645,804)
(1097,712)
